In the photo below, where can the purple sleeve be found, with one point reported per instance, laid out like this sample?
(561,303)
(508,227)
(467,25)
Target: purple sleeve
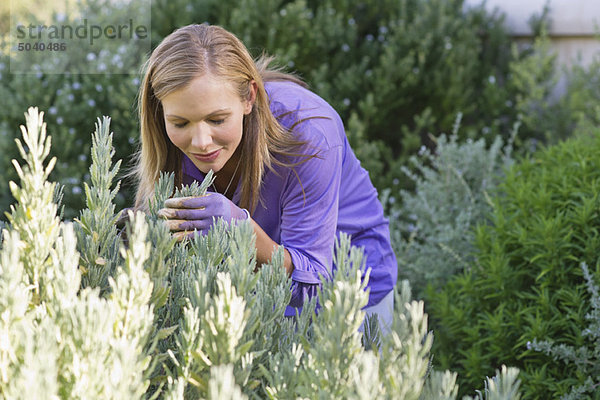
(309,216)
(301,292)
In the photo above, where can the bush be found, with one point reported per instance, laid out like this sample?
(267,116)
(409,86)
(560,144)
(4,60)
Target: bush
(526,282)
(395,70)
(432,227)
(585,358)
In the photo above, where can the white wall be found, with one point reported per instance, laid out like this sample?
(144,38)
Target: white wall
(574,30)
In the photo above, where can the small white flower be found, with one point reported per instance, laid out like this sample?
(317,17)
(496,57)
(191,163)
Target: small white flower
(98,87)
(76,190)
(396,181)
(492,79)
(383,30)
(351,21)
(283,12)
(71,131)
(369,37)
(70,97)
(90,56)
(345,48)
(347,102)
(131,140)
(52,110)
(135,81)
(291,64)
(76,85)
(91,102)
(59,120)
(101,67)
(82,157)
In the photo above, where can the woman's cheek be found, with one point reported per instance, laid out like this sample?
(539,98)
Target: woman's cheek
(177,138)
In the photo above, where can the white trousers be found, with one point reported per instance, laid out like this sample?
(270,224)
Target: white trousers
(385,313)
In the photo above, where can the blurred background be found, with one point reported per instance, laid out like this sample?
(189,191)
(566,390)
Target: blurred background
(397,71)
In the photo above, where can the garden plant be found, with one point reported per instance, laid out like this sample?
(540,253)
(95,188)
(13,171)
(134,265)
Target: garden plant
(524,299)
(162,319)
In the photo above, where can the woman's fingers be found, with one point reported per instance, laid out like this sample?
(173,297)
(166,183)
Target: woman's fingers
(182,213)
(187,202)
(186,224)
(183,235)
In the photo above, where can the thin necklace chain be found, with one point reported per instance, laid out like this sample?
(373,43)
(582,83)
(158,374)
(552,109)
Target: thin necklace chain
(230,180)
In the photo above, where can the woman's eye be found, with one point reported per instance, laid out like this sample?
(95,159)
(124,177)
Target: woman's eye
(217,121)
(180,125)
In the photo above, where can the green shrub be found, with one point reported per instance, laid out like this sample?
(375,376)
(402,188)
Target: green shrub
(395,70)
(185,320)
(526,282)
(585,358)
(432,227)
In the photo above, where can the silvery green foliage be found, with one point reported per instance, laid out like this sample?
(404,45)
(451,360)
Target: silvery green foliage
(34,218)
(165,188)
(58,340)
(214,328)
(441,386)
(585,358)
(503,386)
(96,230)
(432,230)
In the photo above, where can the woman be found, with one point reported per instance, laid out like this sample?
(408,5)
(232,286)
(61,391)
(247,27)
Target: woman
(279,152)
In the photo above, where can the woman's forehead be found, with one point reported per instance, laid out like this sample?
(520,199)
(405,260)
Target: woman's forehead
(205,94)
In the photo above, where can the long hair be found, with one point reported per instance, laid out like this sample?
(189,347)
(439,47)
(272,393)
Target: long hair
(188,53)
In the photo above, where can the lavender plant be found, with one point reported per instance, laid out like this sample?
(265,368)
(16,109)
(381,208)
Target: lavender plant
(96,229)
(71,342)
(214,330)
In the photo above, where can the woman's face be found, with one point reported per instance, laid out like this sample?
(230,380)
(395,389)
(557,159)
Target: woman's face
(205,120)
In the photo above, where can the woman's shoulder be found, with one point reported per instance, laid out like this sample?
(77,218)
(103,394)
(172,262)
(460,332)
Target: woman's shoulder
(291,103)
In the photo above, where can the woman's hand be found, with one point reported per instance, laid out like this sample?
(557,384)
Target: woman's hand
(184,214)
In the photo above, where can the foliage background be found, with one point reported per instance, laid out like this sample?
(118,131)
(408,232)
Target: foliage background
(395,70)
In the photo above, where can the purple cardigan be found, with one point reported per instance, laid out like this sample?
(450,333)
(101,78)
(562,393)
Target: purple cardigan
(338,197)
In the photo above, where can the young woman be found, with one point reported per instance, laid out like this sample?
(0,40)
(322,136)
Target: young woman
(280,156)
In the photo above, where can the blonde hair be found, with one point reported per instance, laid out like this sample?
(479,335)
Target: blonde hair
(190,52)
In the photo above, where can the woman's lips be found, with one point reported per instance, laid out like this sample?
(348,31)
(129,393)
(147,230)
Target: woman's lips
(207,157)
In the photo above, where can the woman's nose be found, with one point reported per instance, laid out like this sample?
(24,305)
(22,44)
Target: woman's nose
(201,137)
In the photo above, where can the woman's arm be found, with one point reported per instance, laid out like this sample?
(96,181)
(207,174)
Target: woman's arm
(265,247)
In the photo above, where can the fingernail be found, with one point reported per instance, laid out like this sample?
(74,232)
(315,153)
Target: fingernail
(166,213)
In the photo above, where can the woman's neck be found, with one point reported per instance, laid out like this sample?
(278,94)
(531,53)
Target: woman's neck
(227,178)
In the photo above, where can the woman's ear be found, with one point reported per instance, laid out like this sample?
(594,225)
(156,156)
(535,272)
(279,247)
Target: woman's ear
(251,97)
